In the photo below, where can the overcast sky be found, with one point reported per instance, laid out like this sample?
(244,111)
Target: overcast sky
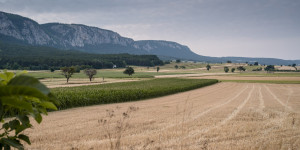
(249,28)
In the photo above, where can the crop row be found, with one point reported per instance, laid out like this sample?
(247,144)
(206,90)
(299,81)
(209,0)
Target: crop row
(122,92)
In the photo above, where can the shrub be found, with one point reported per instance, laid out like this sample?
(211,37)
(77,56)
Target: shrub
(226,69)
(232,70)
(241,68)
(208,67)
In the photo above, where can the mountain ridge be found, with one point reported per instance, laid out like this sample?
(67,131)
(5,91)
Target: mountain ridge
(22,30)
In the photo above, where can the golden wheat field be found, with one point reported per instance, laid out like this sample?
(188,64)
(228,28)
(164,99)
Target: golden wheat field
(221,116)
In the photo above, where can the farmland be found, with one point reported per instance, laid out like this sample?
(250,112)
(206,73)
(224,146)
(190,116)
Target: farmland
(222,116)
(125,91)
(244,110)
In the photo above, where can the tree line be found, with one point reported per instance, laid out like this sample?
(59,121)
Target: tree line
(15,57)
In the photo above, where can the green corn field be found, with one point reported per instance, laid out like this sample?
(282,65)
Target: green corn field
(123,92)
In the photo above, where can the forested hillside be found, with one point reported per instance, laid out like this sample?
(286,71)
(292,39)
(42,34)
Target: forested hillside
(14,56)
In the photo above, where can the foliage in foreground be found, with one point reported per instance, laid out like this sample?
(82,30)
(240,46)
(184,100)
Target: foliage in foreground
(21,97)
(127,91)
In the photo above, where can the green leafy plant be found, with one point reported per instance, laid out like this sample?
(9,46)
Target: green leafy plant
(20,97)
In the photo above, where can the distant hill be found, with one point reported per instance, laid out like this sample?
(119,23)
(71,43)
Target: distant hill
(16,29)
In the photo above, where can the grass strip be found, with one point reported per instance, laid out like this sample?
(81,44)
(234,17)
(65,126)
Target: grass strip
(123,92)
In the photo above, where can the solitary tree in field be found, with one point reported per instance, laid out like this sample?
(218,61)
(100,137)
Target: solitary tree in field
(176,66)
(256,64)
(226,69)
(241,68)
(67,72)
(228,61)
(157,69)
(208,67)
(129,71)
(90,73)
(178,61)
(232,70)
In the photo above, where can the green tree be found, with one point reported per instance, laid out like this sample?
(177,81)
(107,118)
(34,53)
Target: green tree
(229,61)
(241,68)
(226,69)
(176,66)
(256,64)
(67,72)
(52,69)
(129,71)
(157,69)
(270,68)
(90,73)
(208,67)
(232,70)
(178,61)
(21,97)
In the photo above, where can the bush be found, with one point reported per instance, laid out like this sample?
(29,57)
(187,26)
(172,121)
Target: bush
(232,70)
(241,68)
(208,67)
(226,69)
(257,69)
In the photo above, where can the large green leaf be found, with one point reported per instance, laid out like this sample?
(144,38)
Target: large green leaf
(48,105)
(15,102)
(29,82)
(6,77)
(24,138)
(15,90)
(13,143)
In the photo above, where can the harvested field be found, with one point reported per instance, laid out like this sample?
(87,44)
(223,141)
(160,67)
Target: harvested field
(221,116)
(248,78)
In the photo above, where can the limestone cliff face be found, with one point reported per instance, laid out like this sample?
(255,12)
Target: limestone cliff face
(23,29)
(74,35)
(15,28)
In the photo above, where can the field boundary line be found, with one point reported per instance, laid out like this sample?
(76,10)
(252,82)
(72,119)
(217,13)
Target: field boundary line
(232,115)
(278,100)
(220,105)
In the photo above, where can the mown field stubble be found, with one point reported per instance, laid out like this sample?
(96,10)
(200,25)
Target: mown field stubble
(221,116)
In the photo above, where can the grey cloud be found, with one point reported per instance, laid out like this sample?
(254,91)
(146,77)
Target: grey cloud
(186,22)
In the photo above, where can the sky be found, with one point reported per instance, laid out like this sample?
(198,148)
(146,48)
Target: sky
(246,28)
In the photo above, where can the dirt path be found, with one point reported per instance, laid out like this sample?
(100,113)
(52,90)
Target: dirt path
(54,83)
(192,75)
(222,116)
(224,77)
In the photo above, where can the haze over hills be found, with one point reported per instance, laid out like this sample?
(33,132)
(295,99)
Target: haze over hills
(22,30)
